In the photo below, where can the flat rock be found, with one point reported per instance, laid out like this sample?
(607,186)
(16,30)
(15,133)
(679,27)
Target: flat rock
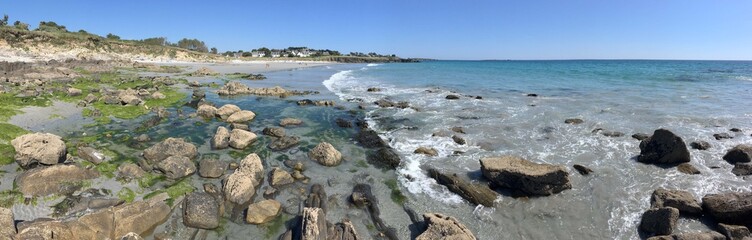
(325,154)
(729,208)
(170,147)
(290,122)
(664,147)
(384,157)
(211,168)
(39,148)
(279,177)
(427,151)
(206,111)
(741,153)
(531,178)
(201,210)
(473,192)
(573,121)
(7,224)
(659,221)
(263,211)
(241,117)
(176,167)
(240,139)
(221,139)
(440,226)
(684,201)
(226,110)
(43,181)
(274,131)
(90,154)
(582,169)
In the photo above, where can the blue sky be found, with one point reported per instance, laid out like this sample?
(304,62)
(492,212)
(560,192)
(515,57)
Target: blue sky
(443,29)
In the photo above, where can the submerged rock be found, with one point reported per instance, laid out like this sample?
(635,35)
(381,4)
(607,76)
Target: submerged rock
(240,139)
(427,151)
(283,143)
(274,131)
(201,210)
(175,167)
(640,136)
(700,145)
(206,111)
(170,147)
(440,226)
(528,177)
(38,148)
(385,157)
(129,171)
(343,123)
(211,168)
(734,232)
(43,181)
(659,221)
(90,154)
(742,169)
(279,177)
(472,192)
(681,200)
(263,211)
(325,154)
(741,153)
(582,169)
(664,147)
(369,139)
(227,110)
(687,168)
(290,122)
(573,121)
(729,208)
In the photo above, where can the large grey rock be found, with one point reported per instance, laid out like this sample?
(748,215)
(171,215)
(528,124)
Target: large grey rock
(240,139)
(263,211)
(684,201)
(7,224)
(734,232)
(240,186)
(284,143)
(129,171)
(43,181)
(201,210)
(427,151)
(528,177)
(441,226)
(664,147)
(742,169)
(90,154)
(313,225)
(206,111)
(279,177)
(221,139)
(741,153)
(290,122)
(38,148)
(170,147)
(385,157)
(211,168)
(241,117)
(473,192)
(175,167)
(730,208)
(325,154)
(226,110)
(659,221)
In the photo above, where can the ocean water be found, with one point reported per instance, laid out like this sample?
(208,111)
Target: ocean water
(694,99)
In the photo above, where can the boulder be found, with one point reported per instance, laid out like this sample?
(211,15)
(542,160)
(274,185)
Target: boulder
(241,126)
(240,186)
(90,154)
(176,167)
(74,92)
(279,177)
(240,139)
(170,147)
(640,136)
(452,97)
(241,117)
(573,121)
(43,181)
(211,168)
(290,122)
(283,143)
(729,208)
(226,110)
(687,168)
(139,217)
(369,139)
(90,98)
(274,131)
(458,130)
(263,211)
(385,157)
(734,232)
(201,210)
(700,145)
(129,171)
(427,151)
(741,153)
(325,154)
(742,169)
(343,123)
(459,140)
(711,235)
(158,95)
(681,200)
(719,136)
(313,225)
(582,169)
(440,226)
(664,147)
(7,224)
(472,192)
(129,99)
(221,139)
(344,231)
(373,89)
(38,148)
(206,111)
(659,221)
(528,177)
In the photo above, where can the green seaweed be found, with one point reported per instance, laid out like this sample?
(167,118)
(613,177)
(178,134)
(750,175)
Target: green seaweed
(107,169)
(396,194)
(126,194)
(10,197)
(7,133)
(150,179)
(273,227)
(361,164)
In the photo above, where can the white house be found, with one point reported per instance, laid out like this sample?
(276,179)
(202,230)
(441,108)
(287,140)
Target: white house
(257,54)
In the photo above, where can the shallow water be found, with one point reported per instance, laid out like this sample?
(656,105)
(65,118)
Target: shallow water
(694,99)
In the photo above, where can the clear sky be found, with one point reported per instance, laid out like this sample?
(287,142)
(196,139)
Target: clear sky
(443,29)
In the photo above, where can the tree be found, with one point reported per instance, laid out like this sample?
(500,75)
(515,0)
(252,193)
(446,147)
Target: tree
(214,50)
(51,27)
(20,25)
(113,36)
(193,44)
(159,41)
(4,21)
(266,51)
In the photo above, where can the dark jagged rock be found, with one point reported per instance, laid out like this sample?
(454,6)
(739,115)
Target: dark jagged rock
(472,192)
(687,168)
(640,136)
(735,130)
(719,136)
(317,198)
(426,151)
(459,140)
(362,197)
(612,134)
(734,232)
(664,147)
(700,145)
(659,221)
(385,157)
(343,123)
(528,177)
(283,143)
(573,121)
(532,95)
(452,97)
(729,208)
(274,131)
(742,169)
(582,169)
(374,89)
(691,236)
(369,139)
(741,153)
(681,200)
(458,130)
